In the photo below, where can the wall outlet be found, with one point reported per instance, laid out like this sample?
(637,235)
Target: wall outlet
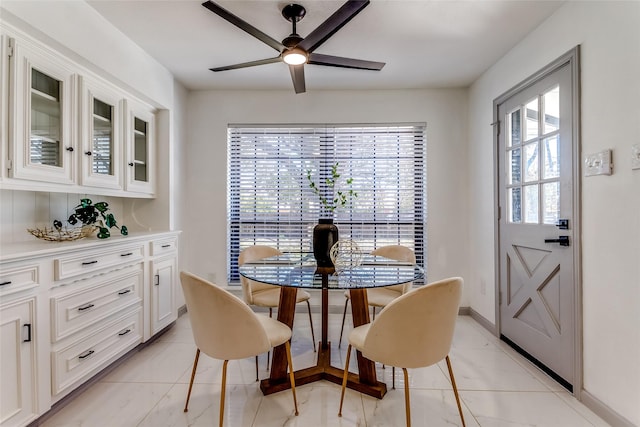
(635,156)
(598,163)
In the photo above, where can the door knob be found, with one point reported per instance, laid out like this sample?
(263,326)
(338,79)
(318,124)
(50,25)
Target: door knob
(563,240)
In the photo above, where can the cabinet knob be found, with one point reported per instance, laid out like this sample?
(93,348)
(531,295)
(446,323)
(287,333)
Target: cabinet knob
(69,149)
(88,153)
(131,164)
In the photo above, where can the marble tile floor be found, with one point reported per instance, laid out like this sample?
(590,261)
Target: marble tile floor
(498,388)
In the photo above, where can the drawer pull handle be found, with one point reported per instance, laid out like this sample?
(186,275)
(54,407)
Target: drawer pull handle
(127,254)
(86,354)
(157,280)
(28,326)
(85,307)
(8,282)
(90,262)
(124,332)
(166,246)
(126,291)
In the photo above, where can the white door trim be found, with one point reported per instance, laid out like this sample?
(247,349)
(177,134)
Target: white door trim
(572,57)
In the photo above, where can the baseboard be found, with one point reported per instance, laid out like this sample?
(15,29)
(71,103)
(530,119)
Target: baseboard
(491,327)
(182,310)
(604,411)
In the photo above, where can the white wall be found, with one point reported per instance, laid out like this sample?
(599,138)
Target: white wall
(609,36)
(444,111)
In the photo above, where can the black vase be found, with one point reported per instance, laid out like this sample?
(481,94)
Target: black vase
(325,235)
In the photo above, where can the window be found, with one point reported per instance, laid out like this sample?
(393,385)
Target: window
(270,202)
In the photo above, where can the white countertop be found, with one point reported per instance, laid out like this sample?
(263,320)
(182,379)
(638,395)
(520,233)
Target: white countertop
(38,248)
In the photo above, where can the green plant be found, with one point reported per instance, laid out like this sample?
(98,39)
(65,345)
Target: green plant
(97,215)
(329,197)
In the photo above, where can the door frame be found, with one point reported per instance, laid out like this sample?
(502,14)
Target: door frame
(572,58)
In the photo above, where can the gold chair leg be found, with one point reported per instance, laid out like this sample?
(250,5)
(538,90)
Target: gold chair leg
(193,375)
(455,389)
(344,379)
(222,391)
(313,336)
(407,402)
(291,375)
(344,316)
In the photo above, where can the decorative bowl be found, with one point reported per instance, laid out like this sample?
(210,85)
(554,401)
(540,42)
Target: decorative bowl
(63,234)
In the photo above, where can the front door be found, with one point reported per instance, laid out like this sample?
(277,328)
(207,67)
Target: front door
(538,212)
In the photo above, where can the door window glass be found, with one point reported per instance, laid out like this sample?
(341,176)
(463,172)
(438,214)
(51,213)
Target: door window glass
(536,163)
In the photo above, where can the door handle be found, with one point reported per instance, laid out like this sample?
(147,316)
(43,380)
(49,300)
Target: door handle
(563,240)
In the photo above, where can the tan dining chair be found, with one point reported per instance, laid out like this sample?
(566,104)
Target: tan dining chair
(415,330)
(264,295)
(380,297)
(225,328)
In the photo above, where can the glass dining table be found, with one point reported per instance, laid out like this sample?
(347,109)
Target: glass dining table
(292,271)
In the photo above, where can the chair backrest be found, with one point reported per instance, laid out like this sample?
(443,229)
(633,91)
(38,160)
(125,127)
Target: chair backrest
(416,329)
(399,253)
(224,327)
(252,253)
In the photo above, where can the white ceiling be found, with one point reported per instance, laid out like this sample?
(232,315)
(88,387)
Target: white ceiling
(425,43)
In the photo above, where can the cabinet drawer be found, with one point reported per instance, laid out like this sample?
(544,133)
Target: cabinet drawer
(96,300)
(159,247)
(88,355)
(91,261)
(18,278)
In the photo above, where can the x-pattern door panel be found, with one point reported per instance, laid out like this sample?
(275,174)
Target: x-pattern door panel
(535,181)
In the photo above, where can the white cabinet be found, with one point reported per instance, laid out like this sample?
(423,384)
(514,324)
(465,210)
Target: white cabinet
(101,137)
(163,309)
(43,105)
(94,321)
(18,367)
(18,344)
(69,310)
(71,130)
(140,137)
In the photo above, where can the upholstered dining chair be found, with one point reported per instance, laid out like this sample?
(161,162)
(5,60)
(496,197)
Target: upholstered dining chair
(225,328)
(415,330)
(380,297)
(264,295)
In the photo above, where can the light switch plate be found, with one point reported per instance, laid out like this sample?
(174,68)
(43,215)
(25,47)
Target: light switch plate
(598,163)
(635,156)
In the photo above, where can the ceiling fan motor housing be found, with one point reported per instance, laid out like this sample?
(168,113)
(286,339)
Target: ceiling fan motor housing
(293,12)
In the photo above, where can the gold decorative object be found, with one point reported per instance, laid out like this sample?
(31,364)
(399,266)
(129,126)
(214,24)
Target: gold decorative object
(63,234)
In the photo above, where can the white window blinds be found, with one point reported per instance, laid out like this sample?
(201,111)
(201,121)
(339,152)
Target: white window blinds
(270,201)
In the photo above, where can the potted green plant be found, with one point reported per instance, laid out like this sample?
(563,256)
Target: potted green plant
(331,197)
(96,215)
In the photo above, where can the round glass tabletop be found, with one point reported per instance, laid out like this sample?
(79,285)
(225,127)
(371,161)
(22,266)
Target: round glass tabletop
(300,270)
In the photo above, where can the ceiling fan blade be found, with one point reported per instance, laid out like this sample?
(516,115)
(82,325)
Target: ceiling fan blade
(297,75)
(329,27)
(243,25)
(338,61)
(248,64)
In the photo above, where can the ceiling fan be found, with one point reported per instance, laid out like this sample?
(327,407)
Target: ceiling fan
(295,50)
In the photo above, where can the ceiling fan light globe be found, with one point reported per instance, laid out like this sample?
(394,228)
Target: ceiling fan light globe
(295,56)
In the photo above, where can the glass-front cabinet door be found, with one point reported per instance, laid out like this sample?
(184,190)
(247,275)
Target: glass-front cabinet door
(140,149)
(43,141)
(101,135)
